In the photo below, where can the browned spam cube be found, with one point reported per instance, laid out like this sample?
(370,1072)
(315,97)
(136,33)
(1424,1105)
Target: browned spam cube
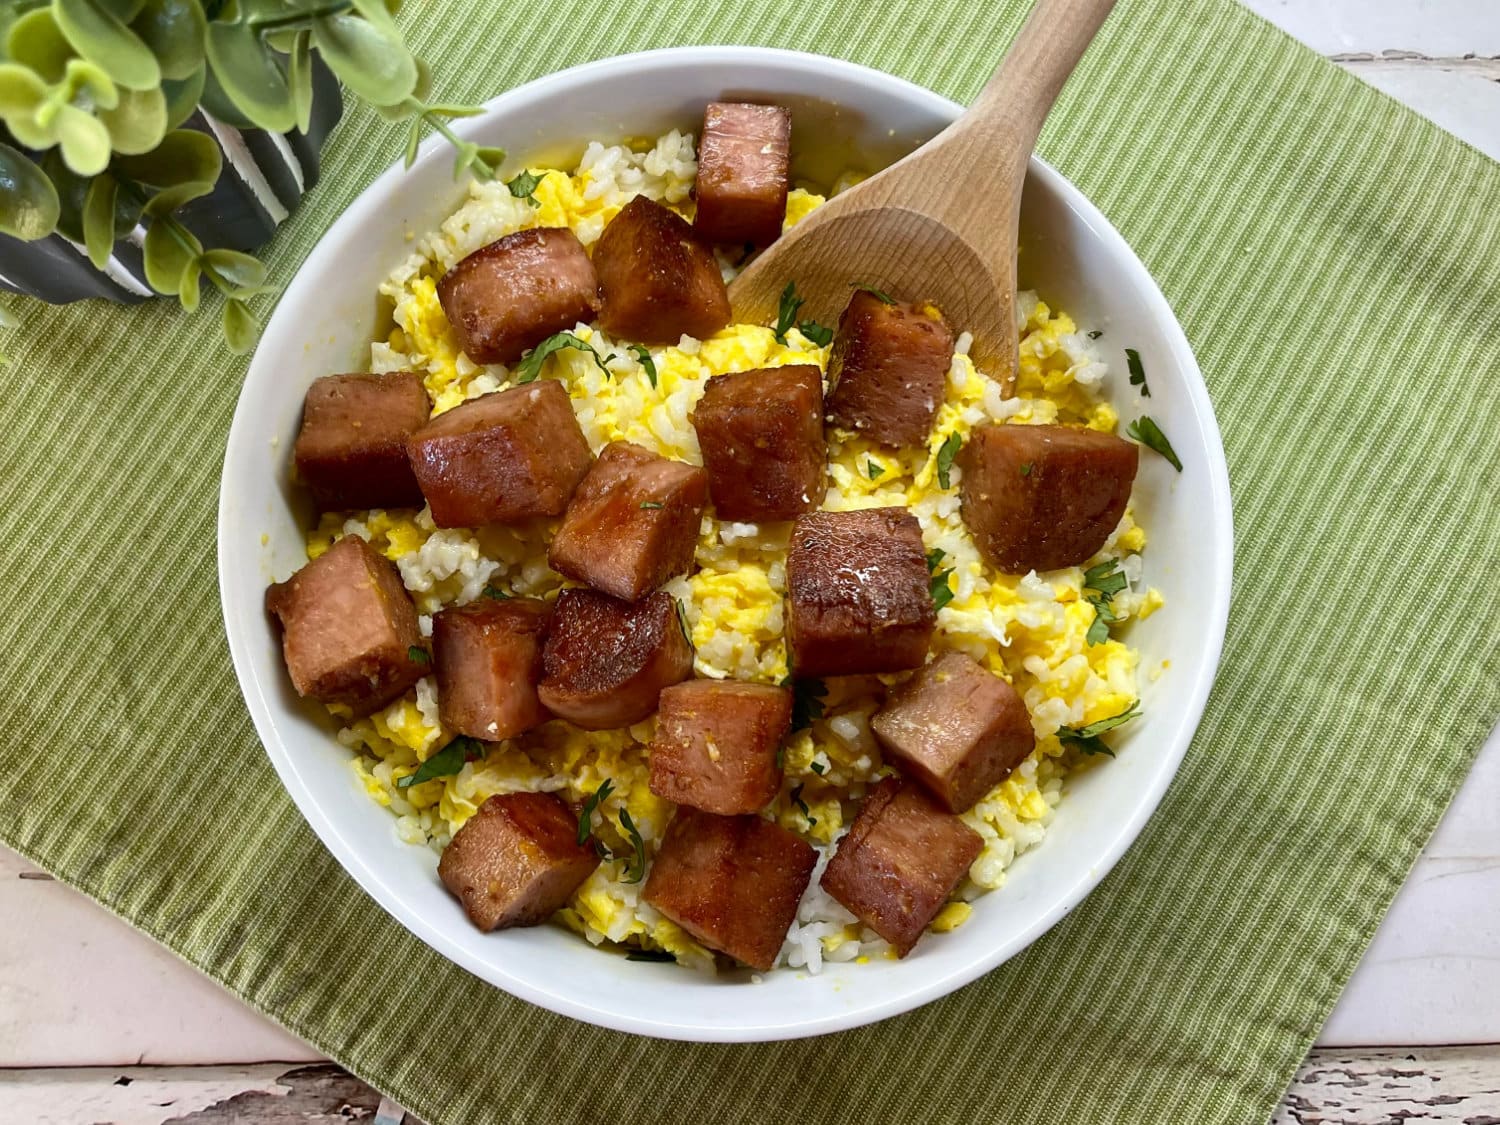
(487,657)
(744,165)
(1043,497)
(512,294)
(516,861)
(955,728)
(606,660)
(502,458)
(859,597)
(761,434)
(716,744)
(632,524)
(349,629)
(351,449)
(887,369)
(900,861)
(733,882)
(659,279)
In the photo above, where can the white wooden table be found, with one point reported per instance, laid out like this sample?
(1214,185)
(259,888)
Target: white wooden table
(99,1024)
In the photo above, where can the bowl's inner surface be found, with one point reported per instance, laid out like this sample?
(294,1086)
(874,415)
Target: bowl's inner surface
(845,117)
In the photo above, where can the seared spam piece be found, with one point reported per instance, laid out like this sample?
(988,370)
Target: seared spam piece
(716,743)
(351,449)
(744,167)
(956,728)
(659,279)
(512,294)
(761,433)
(606,661)
(900,861)
(516,861)
(502,458)
(632,524)
(487,657)
(733,882)
(1043,497)
(349,629)
(887,369)
(858,593)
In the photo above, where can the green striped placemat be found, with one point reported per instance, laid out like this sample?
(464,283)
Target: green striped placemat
(1334,261)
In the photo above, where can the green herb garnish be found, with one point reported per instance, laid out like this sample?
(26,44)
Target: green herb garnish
(418,655)
(797,800)
(934,557)
(682,619)
(817,767)
(643,357)
(1087,739)
(1100,585)
(873,471)
(945,457)
(649,955)
(636,869)
(1149,434)
(586,816)
(942,591)
(1137,372)
(1096,333)
(494,593)
(445,763)
(651,505)
(880,294)
(807,701)
(1026,469)
(531,363)
(816,332)
(786,313)
(524,187)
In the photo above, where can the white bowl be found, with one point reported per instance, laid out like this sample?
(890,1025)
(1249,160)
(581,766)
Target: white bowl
(1073,256)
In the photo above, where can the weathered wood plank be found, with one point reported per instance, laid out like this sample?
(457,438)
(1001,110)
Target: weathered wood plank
(1433,1086)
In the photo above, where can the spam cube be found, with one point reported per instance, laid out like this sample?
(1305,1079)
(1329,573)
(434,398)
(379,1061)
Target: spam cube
(659,279)
(632,524)
(516,861)
(859,596)
(887,369)
(955,728)
(512,294)
(761,433)
(900,861)
(487,656)
(716,743)
(1043,497)
(744,167)
(606,660)
(733,882)
(351,449)
(349,629)
(502,458)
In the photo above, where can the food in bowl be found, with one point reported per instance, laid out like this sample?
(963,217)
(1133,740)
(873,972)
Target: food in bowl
(804,668)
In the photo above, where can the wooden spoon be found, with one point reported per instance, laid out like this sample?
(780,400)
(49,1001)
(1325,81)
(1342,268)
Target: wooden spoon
(939,225)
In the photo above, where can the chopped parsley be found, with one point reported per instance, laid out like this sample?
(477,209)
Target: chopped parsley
(934,557)
(651,505)
(1137,372)
(649,955)
(445,763)
(531,363)
(418,655)
(1100,585)
(946,454)
(494,593)
(1096,333)
(807,701)
(873,471)
(586,816)
(817,333)
(636,869)
(806,812)
(682,620)
(786,313)
(643,356)
(1026,469)
(879,294)
(524,187)
(942,591)
(1149,434)
(818,767)
(1087,738)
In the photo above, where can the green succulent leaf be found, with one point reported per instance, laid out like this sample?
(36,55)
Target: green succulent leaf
(169,199)
(34,40)
(380,16)
(173,30)
(218,103)
(138,123)
(240,327)
(239,270)
(183,96)
(299,77)
(28,200)
(413,141)
(72,189)
(192,285)
(250,76)
(84,140)
(21,91)
(167,256)
(100,36)
(370,59)
(184,156)
(89,87)
(99,219)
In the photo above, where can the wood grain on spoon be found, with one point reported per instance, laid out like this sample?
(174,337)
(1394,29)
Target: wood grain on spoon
(941,224)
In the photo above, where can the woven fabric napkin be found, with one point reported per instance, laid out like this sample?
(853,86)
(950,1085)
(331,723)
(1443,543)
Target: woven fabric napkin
(1336,263)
